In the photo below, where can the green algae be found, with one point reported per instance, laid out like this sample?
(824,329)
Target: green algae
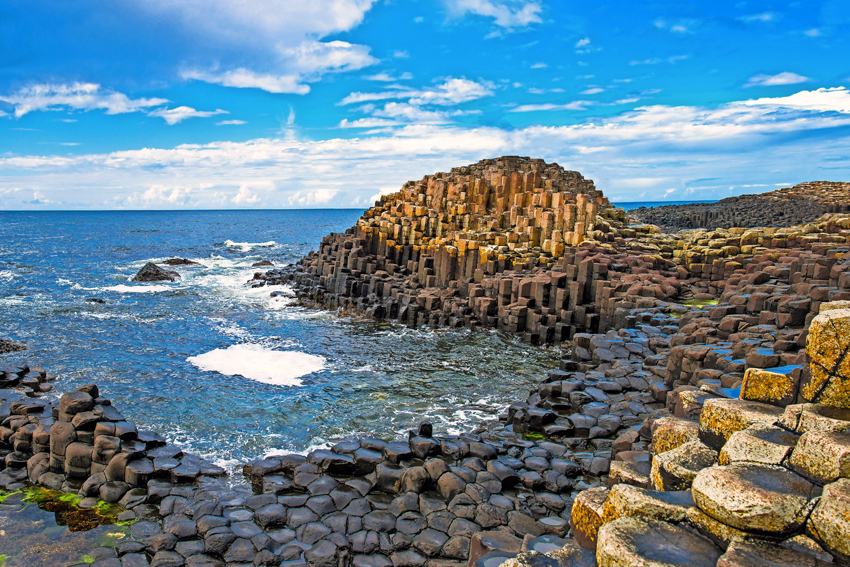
(534,437)
(700,302)
(45,528)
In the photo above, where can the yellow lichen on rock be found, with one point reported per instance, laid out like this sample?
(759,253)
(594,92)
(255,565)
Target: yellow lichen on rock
(768,387)
(827,346)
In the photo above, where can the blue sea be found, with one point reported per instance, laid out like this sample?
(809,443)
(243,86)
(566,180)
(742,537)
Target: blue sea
(225,371)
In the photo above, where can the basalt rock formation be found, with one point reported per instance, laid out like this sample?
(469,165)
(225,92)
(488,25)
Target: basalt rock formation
(785,207)
(700,414)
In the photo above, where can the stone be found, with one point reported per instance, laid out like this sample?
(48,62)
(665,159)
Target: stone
(829,523)
(167,559)
(808,417)
(483,543)
(754,497)
(763,554)
(768,387)
(430,541)
(73,403)
(721,417)
(827,344)
(586,516)
(676,469)
(450,485)
(626,500)
(322,554)
(150,272)
(759,443)
(671,432)
(822,456)
(636,542)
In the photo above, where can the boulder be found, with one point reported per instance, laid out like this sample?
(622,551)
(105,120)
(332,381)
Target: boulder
(150,272)
(768,387)
(671,432)
(763,554)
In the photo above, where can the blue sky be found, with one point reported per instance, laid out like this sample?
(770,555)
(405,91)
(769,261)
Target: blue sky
(168,104)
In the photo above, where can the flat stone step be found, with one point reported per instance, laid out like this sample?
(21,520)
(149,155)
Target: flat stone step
(635,542)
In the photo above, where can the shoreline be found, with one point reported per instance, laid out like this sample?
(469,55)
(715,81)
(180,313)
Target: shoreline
(594,448)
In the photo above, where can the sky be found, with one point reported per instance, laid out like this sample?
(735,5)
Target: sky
(221,104)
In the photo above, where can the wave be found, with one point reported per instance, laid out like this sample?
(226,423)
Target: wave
(123,288)
(261,364)
(248,246)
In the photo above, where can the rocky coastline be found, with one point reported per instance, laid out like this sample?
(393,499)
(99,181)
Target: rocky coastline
(700,415)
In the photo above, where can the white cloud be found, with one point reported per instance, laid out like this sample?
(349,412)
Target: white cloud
(311,198)
(762,17)
(245,197)
(656,60)
(401,54)
(453,91)
(785,78)
(263,22)
(385,77)
(576,105)
(592,91)
(539,66)
(174,115)
(681,26)
(814,32)
(305,63)
(76,96)
(450,92)
(315,58)
(244,79)
(534,90)
(766,140)
(507,14)
(583,42)
(230,123)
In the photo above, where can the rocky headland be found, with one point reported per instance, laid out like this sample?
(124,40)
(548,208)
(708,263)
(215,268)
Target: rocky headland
(801,204)
(700,415)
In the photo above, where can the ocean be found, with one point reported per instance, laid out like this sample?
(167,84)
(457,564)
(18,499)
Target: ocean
(222,370)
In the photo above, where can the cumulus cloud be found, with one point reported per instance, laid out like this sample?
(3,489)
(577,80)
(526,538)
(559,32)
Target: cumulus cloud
(263,22)
(230,123)
(76,96)
(507,14)
(765,140)
(174,115)
(785,78)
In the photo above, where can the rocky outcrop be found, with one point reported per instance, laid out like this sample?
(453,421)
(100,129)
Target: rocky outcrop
(11,346)
(150,272)
(179,262)
(786,207)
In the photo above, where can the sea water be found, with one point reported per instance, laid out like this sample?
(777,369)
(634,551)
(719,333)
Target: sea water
(222,370)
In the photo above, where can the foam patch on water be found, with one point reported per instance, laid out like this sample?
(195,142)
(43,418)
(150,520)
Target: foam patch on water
(248,246)
(256,362)
(123,288)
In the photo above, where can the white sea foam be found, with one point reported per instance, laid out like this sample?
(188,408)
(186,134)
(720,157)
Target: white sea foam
(123,288)
(255,362)
(7,275)
(248,246)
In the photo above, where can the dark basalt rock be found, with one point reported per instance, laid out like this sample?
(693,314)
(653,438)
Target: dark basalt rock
(153,273)
(11,346)
(262,263)
(179,262)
